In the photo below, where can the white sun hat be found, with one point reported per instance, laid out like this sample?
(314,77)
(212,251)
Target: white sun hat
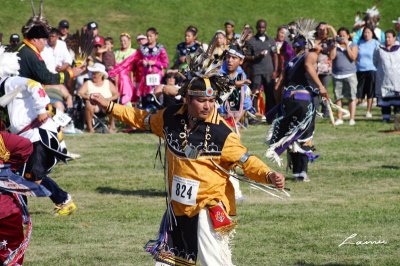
(97,67)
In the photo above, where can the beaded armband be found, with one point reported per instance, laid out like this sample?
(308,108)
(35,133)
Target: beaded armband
(110,107)
(244,158)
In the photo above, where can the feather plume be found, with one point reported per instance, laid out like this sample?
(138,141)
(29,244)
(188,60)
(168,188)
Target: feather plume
(41,9)
(204,64)
(243,36)
(33,9)
(81,44)
(306,28)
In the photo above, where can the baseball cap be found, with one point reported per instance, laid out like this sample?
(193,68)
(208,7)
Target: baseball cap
(230,22)
(92,25)
(98,40)
(63,24)
(14,37)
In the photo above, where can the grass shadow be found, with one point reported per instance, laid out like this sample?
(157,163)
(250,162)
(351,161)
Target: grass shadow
(126,192)
(302,263)
(391,167)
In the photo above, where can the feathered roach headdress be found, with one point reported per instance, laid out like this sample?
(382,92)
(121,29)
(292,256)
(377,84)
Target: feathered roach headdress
(305,31)
(204,65)
(37,26)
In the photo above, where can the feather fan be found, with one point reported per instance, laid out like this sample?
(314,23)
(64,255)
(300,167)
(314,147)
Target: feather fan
(81,44)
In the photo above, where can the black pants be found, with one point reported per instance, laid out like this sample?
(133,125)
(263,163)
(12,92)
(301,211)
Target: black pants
(37,169)
(268,83)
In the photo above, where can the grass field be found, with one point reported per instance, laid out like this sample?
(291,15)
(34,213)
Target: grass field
(120,195)
(354,189)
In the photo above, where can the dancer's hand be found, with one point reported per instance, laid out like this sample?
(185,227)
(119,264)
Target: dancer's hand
(42,117)
(98,99)
(277,179)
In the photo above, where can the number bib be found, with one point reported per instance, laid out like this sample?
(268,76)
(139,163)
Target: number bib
(184,190)
(152,79)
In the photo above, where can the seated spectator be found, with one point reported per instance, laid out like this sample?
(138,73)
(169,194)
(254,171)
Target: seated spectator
(99,84)
(59,97)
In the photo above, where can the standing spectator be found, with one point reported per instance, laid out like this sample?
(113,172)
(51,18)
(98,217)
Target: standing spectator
(344,74)
(263,62)
(397,29)
(63,28)
(189,46)
(99,48)
(126,47)
(285,53)
(221,45)
(371,18)
(55,53)
(151,58)
(326,36)
(14,42)
(141,40)
(230,34)
(246,64)
(108,54)
(366,70)
(387,61)
(125,79)
(94,27)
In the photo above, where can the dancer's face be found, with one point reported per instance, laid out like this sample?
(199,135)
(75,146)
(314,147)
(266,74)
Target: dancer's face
(200,107)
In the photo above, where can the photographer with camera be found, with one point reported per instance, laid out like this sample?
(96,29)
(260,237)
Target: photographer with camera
(344,56)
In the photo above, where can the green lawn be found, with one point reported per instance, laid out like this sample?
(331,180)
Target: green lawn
(354,189)
(354,186)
